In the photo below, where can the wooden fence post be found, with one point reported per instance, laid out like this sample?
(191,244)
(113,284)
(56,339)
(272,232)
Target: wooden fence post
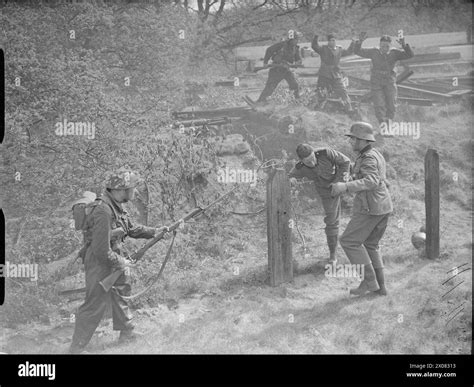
(432,203)
(280,262)
(2,255)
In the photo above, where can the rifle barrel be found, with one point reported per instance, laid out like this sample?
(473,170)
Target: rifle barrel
(137,255)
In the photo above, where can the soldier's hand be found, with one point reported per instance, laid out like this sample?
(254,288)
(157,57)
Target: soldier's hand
(117,233)
(122,263)
(338,188)
(293,180)
(362,36)
(161,229)
(401,42)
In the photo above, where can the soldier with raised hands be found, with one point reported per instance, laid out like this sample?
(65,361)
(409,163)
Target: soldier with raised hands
(330,76)
(383,78)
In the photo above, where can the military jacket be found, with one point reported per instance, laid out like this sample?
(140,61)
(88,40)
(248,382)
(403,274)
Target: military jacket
(282,53)
(106,217)
(330,59)
(331,167)
(383,64)
(370,184)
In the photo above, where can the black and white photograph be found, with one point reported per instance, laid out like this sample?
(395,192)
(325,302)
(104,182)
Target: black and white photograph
(236,177)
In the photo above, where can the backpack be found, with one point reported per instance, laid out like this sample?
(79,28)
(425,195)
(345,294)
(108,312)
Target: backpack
(82,208)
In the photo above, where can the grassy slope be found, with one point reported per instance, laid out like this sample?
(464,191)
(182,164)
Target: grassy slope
(216,310)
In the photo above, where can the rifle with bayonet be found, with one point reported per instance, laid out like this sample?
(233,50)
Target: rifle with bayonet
(110,280)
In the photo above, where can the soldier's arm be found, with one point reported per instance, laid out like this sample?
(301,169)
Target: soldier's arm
(101,234)
(342,162)
(406,53)
(271,50)
(363,52)
(140,231)
(349,50)
(315,45)
(370,176)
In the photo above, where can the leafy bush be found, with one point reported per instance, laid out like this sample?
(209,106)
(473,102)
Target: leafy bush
(24,303)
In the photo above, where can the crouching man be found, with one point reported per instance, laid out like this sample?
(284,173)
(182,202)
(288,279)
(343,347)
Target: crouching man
(324,167)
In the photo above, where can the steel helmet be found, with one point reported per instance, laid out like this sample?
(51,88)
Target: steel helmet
(362,130)
(418,239)
(123,179)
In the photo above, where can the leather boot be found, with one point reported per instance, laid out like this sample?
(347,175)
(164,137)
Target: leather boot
(127,335)
(332,244)
(381,281)
(368,284)
(75,349)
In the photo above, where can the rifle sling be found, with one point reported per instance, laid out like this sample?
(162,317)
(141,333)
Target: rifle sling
(153,282)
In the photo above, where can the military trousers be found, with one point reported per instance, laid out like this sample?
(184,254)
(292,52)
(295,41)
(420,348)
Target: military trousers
(384,96)
(275,76)
(332,210)
(91,312)
(360,240)
(336,85)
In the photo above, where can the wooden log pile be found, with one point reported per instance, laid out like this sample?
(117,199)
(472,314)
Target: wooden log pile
(421,91)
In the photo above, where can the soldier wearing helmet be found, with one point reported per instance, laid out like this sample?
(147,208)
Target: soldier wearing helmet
(103,255)
(282,55)
(324,166)
(371,209)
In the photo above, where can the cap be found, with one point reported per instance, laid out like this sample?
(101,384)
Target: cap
(303,150)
